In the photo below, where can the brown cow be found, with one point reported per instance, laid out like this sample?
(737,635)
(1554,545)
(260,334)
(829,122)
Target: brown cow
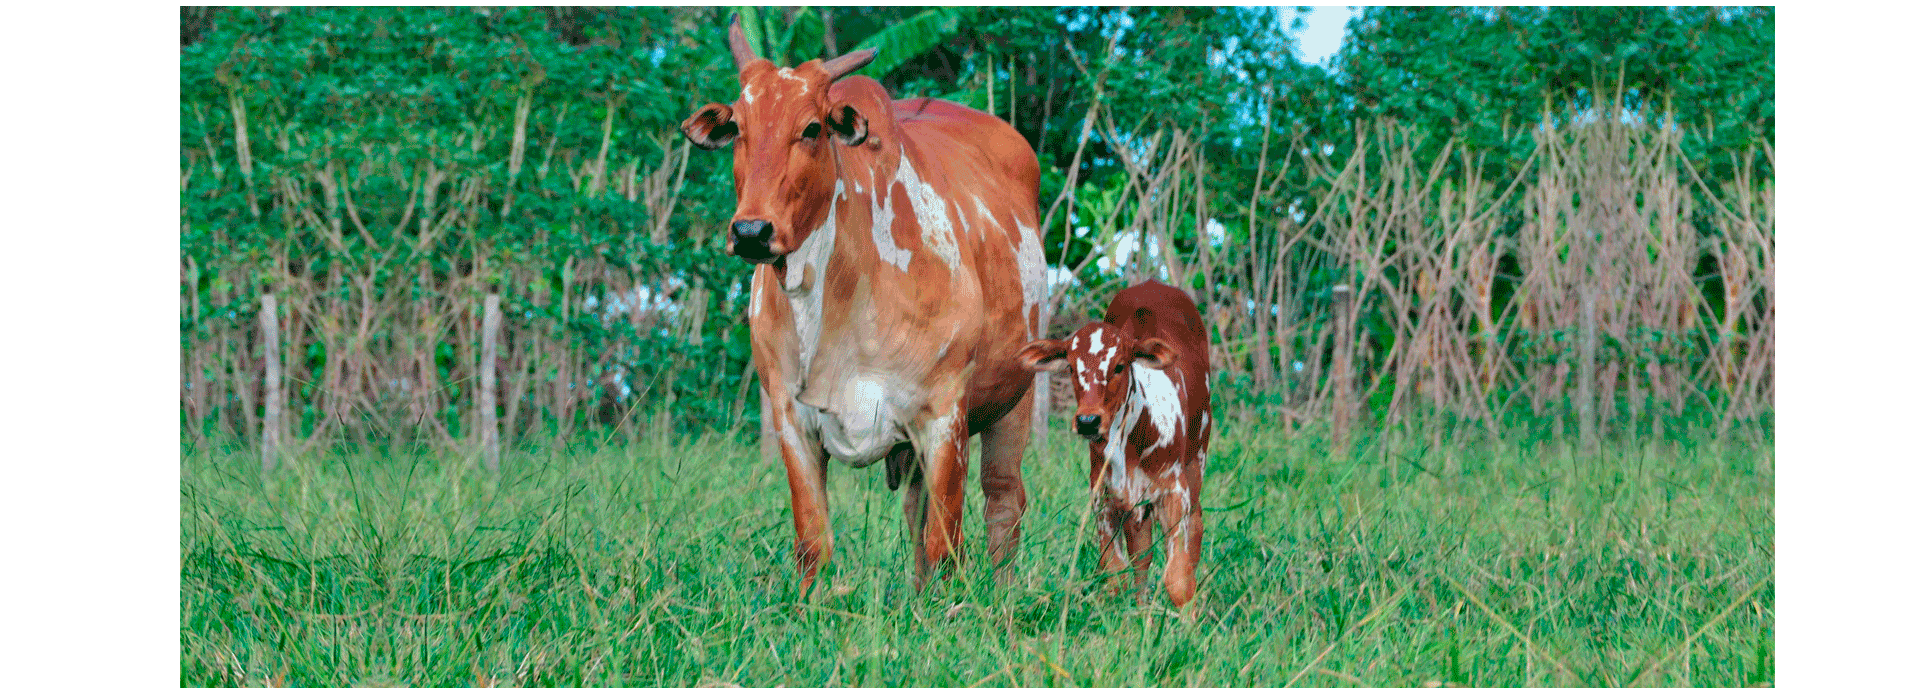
(897,274)
(1140,379)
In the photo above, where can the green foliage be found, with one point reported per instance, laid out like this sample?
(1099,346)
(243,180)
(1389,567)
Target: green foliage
(384,166)
(786,40)
(1481,73)
(1481,563)
(413,113)
(907,39)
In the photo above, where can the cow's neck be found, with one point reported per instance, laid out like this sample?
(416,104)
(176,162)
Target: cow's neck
(804,281)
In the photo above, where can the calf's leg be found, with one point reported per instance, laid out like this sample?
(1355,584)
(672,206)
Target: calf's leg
(1180,521)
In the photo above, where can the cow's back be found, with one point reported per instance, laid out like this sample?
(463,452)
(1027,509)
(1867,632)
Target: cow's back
(972,141)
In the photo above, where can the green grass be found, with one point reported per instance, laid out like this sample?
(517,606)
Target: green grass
(1502,563)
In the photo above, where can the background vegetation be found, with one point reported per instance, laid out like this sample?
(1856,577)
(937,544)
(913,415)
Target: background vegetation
(1476,233)
(1550,214)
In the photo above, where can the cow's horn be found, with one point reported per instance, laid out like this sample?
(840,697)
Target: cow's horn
(839,67)
(737,40)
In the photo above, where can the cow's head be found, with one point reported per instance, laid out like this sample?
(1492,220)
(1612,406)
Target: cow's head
(783,165)
(1102,358)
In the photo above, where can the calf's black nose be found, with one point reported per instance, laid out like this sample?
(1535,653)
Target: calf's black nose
(1087,424)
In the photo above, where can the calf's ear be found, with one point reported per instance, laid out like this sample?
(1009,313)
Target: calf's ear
(847,124)
(711,127)
(1044,355)
(1155,354)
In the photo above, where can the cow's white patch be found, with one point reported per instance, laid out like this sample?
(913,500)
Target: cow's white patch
(1033,268)
(791,436)
(806,267)
(883,243)
(746,93)
(788,74)
(1094,343)
(936,228)
(866,424)
(986,215)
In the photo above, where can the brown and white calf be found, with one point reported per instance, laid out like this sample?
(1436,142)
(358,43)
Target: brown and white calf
(1140,379)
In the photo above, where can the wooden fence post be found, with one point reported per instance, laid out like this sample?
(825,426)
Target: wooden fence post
(1343,409)
(488,423)
(1042,386)
(270,349)
(1583,389)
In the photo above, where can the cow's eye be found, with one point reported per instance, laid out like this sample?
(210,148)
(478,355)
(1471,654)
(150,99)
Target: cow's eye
(813,131)
(1120,368)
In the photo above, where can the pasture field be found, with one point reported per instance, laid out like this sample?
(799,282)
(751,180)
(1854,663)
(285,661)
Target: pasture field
(1411,562)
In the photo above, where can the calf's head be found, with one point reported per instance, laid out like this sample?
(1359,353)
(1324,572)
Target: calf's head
(1102,358)
(783,166)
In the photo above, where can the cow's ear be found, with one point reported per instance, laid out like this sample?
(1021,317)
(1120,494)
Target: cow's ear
(1155,354)
(847,123)
(1044,355)
(711,127)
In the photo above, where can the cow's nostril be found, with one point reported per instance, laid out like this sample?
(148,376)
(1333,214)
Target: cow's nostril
(758,232)
(1087,424)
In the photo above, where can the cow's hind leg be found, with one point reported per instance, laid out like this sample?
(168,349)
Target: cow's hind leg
(1001,448)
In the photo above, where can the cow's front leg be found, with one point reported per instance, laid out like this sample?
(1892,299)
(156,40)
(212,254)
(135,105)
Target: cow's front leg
(806,462)
(1180,522)
(943,463)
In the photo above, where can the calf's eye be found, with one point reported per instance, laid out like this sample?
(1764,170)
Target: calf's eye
(813,131)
